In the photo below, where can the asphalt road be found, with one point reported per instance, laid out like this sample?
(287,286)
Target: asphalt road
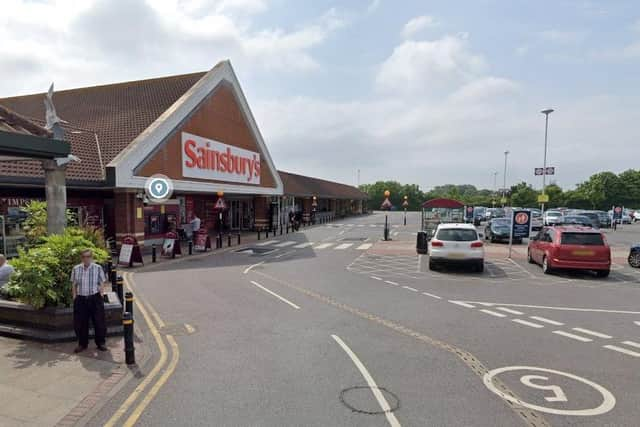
(332,327)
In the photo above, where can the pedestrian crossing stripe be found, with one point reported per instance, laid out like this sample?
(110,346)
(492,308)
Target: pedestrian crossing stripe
(344,246)
(323,246)
(295,245)
(303,245)
(364,246)
(284,244)
(268,242)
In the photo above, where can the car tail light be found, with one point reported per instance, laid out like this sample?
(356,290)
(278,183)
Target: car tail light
(476,244)
(437,243)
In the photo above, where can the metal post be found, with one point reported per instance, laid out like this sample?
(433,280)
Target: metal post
(153,252)
(511,234)
(190,247)
(544,163)
(109,268)
(128,303)
(258,234)
(238,237)
(386,227)
(504,177)
(266,234)
(281,229)
(114,279)
(173,251)
(405,216)
(129,350)
(228,239)
(119,289)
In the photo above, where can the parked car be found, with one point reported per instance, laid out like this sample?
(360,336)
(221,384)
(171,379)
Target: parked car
(479,214)
(499,230)
(593,216)
(575,220)
(604,218)
(552,217)
(456,243)
(570,247)
(536,219)
(634,256)
(494,213)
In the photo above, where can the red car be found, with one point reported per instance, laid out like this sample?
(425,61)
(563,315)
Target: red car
(572,248)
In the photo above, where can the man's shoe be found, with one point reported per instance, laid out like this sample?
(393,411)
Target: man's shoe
(79,349)
(101,347)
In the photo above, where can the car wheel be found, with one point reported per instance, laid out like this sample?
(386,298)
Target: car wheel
(602,273)
(634,259)
(546,269)
(529,258)
(480,266)
(432,265)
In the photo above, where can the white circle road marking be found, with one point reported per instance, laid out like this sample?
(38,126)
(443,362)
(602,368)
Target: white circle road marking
(608,401)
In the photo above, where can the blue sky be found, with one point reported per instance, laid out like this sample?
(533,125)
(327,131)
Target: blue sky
(426,92)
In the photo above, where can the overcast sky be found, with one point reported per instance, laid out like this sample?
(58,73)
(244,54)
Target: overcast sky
(425,92)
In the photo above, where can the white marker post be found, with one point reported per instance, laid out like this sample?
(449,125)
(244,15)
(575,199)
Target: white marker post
(511,233)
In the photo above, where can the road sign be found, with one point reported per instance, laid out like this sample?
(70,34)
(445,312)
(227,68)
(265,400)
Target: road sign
(220,205)
(543,198)
(521,224)
(468,214)
(542,171)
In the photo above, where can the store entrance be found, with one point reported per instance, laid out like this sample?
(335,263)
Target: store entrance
(240,214)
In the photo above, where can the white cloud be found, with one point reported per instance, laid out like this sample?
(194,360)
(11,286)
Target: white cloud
(562,37)
(416,25)
(424,67)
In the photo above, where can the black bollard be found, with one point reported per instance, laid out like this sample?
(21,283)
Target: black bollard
(266,234)
(129,350)
(287,228)
(109,268)
(128,303)
(153,252)
(228,239)
(114,278)
(258,234)
(281,229)
(173,252)
(238,237)
(119,289)
(190,247)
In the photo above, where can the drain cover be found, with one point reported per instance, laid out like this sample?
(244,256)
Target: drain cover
(360,399)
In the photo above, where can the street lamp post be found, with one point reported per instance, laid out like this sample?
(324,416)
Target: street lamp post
(495,188)
(386,205)
(546,113)
(504,178)
(405,205)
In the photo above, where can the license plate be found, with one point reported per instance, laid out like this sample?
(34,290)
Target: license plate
(583,253)
(456,255)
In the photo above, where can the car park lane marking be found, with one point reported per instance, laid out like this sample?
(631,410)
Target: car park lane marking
(622,350)
(375,278)
(533,276)
(573,336)
(391,418)
(410,289)
(275,295)
(508,310)
(493,313)
(344,246)
(248,269)
(545,320)
(303,245)
(391,283)
(431,295)
(527,323)
(594,333)
(285,244)
(631,343)
(463,304)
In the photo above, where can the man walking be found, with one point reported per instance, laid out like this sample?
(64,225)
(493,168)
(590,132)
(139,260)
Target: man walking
(5,273)
(87,279)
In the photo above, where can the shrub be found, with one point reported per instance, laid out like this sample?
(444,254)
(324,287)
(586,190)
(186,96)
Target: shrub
(42,274)
(35,224)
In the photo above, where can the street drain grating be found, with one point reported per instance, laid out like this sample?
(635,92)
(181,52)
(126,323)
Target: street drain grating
(360,399)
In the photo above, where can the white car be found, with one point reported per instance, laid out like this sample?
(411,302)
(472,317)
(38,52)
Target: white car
(456,243)
(552,217)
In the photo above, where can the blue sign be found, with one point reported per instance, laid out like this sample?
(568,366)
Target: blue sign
(521,223)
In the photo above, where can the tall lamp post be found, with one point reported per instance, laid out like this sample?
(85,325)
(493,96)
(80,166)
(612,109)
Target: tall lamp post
(405,205)
(504,179)
(546,113)
(495,188)
(386,205)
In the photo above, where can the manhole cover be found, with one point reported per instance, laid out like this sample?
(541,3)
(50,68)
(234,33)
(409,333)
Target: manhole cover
(361,399)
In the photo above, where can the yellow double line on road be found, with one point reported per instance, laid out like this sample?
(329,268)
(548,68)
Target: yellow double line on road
(161,368)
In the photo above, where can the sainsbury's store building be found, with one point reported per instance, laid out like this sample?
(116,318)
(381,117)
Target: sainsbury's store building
(197,129)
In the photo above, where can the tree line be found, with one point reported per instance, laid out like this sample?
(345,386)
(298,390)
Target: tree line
(601,191)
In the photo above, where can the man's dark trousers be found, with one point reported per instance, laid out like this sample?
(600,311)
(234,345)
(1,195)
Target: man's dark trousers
(85,308)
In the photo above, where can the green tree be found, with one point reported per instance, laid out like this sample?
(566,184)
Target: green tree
(523,195)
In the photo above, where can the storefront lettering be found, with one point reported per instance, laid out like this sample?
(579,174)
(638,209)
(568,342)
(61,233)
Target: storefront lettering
(208,159)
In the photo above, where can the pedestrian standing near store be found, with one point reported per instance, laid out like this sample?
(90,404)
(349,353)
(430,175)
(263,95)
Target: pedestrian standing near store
(5,274)
(195,224)
(87,279)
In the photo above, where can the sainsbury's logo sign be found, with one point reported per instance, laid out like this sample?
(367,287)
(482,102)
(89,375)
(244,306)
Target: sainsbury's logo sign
(208,159)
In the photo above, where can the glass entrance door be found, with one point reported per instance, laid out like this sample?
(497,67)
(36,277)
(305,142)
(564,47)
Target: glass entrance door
(236,214)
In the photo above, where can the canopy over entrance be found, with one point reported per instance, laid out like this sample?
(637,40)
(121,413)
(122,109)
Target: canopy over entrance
(437,211)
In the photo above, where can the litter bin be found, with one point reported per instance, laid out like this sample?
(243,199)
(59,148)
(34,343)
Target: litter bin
(422,242)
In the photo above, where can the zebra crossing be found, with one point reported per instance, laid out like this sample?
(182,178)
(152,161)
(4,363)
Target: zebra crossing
(339,246)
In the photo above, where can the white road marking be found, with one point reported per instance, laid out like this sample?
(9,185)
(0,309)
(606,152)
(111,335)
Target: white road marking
(395,233)
(431,295)
(410,288)
(303,245)
(364,246)
(572,336)
(545,320)
(527,323)
(344,246)
(594,333)
(522,268)
(393,421)
(595,310)
(283,254)
(323,246)
(463,304)
(631,343)
(248,269)
(275,295)
(622,350)
(637,322)
(285,244)
(375,278)
(508,310)
(360,225)
(391,283)
(419,263)
(493,313)
(341,233)
(268,242)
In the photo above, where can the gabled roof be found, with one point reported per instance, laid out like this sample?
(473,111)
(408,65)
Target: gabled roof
(305,186)
(102,120)
(12,122)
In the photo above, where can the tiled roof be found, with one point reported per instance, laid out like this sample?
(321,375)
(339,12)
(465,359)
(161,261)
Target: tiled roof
(102,120)
(10,121)
(305,186)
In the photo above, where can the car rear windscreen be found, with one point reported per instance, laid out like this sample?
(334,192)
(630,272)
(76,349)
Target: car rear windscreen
(590,239)
(457,235)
